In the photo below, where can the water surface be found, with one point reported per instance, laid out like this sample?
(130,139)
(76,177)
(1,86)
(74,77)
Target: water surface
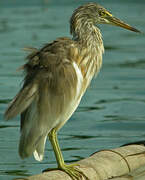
(111,113)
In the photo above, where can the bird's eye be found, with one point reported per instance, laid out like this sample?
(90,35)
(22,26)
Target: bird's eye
(102,13)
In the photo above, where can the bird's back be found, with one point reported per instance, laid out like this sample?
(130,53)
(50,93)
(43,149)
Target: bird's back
(52,65)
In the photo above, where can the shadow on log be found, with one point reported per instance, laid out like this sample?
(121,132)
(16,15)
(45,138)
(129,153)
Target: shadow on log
(124,163)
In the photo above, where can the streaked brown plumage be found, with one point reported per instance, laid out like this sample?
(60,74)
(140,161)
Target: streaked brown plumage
(56,78)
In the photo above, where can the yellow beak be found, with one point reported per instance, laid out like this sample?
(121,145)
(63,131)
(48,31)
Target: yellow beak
(118,22)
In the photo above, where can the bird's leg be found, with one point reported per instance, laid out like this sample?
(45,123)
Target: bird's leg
(71,170)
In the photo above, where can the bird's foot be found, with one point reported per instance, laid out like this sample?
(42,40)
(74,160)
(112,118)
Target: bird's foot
(71,170)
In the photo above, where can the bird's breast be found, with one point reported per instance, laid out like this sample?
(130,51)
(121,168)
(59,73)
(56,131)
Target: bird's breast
(89,64)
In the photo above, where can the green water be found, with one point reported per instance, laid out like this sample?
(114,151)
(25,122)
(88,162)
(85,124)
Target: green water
(111,113)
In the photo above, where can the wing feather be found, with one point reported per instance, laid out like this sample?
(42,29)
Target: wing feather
(21,101)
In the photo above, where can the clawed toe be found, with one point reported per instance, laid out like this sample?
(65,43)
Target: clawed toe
(71,170)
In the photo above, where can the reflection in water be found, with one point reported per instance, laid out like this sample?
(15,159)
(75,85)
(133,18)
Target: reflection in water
(79,137)
(111,48)
(7,126)
(4,101)
(104,101)
(89,108)
(41,26)
(70,149)
(15,172)
(137,64)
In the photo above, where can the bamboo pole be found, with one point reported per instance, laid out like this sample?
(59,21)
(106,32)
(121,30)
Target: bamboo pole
(124,163)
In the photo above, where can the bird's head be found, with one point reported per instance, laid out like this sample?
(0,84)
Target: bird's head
(105,17)
(97,14)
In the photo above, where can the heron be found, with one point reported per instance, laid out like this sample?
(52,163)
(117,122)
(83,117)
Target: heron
(56,77)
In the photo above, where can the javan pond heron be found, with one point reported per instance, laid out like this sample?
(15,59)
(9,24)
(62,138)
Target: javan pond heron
(56,77)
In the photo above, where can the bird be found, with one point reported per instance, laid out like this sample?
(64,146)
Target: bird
(56,77)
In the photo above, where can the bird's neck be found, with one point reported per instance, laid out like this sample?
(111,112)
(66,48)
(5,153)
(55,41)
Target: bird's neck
(88,35)
(89,40)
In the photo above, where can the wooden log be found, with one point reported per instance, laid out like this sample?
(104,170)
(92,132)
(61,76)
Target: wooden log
(124,163)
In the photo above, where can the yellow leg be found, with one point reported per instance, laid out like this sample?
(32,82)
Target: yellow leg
(71,170)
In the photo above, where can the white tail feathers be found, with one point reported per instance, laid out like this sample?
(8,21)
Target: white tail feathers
(32,145)
(39,151)
(38,157)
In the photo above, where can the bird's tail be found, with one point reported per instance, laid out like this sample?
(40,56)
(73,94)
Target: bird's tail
(33,134)
(32,143)
(39,151)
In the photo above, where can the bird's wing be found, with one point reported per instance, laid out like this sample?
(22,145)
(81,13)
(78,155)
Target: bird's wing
(49,72)
(21,101)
